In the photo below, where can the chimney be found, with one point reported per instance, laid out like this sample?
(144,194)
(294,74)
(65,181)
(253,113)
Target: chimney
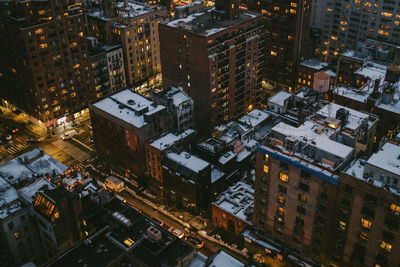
(230,7)
(126,3)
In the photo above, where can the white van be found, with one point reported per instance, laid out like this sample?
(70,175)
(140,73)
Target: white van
(68,135)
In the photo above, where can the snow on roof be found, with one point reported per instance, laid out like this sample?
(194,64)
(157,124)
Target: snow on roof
(314,64)
(252,237)
(279,98)
(354,54)
(223,259)
(179,98)
(199,260)
(29,192)
(356,169)
(188,19)
(169,139)
(8,199)
(16,170)
(354,119)
(133,9)
(226,157)
(242,155)
(216,174)
(357,95)
(254,117)
(214,30)
(322,141)
(128,106)
(331,73)
(189,161)
(387,158)
(237,200)
(373,71)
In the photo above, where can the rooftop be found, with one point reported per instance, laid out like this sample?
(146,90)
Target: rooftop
(237,200)
(314,64)
(189,161)
(203,23)
(279,98)
(355,55)
(254,118)
(223,259)
(170,139)
(387,158)
(32,164)
(129,107)
(9,202)
(29,192)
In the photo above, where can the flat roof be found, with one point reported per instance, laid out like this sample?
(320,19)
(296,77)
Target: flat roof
(8,199)
(170,139)
(314,64)
(387,158)
(254,117)
(279,98)
(30,192)
(203,24)
(129,107)
(189,161)
(223,259)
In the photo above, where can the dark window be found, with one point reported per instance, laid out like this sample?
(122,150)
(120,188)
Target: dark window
(348,189)
(303,187)
(284,166)
(305,175)
(367,211)
(301,210)
(391,223)
(371,199)
(299,221)
(387,236)
(282,189)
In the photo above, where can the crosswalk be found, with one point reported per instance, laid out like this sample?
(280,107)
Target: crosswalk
(16,148)
(71,150)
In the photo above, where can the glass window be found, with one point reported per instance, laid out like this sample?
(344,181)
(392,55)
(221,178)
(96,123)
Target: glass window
(284,177)
(365,223)
(266,168)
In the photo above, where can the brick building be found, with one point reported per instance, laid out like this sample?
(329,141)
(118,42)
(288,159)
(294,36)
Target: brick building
(216,57)
(287,30)
(307,69)
(43,44)
(123,123)
(134,26)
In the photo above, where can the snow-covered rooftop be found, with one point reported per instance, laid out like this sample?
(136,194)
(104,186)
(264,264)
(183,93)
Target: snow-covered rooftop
(373,71)
(237,200)
(354,119)
(29,192)
(170,139)
(314,64)
(129,107)
(226,157)
(27,165)
(179,98)
(279,98)
(354,54)
(9,202)
(254,117)
(189,161)
(387,158)
(216,174)
(223,259)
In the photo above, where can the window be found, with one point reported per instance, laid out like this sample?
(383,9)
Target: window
(304,187)
(342,225)
(281,200)
(266,169)
(280,211)
(385,246)
(282,189)
(302,198)
(266,157)
(364,235)
(299,221)
(395,208)
(284,177)
(17,235)
(365,223)
(301,210)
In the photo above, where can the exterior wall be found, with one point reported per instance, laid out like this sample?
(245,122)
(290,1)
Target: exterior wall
(116,69)
(47,71)
(286,39)
(354,244)
(225,220)
(302,225)
(222,76)
(123,142)
(154,159)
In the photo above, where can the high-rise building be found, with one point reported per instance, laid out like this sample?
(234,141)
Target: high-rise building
(347,22)
(287,29)
(44,69)
(216,57)
(134,26)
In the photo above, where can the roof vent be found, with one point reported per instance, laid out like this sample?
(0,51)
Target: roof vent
(131,102)
(187,155)
(121,106)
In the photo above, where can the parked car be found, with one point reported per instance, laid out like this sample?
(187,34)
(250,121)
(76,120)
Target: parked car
(68,135)
(34,140)
(176,232)
(196,242)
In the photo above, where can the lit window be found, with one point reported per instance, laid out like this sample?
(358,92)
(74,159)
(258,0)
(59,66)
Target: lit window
(80,34)
(366,224)
(364,235)
(276,8)
(281,211)
(387,14)
(284,177)
(129,242)
(273,53)
(395,208)
(39,31)
(342,225)
(385,246)
(266,169)
(266,157)
(43,45)
(302,198)
(17,235)
(281,199)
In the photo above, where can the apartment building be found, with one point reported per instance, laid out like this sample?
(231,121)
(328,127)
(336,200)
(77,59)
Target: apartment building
(216,56)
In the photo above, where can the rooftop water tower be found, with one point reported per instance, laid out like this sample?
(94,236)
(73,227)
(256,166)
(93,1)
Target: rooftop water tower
(321,83)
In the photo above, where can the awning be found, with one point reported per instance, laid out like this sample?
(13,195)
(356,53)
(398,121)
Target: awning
(51,122)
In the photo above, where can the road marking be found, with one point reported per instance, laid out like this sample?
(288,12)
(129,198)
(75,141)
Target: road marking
(79,142)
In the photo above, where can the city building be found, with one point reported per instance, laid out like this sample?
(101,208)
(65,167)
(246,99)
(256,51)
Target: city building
(346,23)
(233,209)
(367,213)
(216,57)
(307,69)
(187,181)
(128,238)
(179,104)
(287,30)
(134,26)
(58,215)
(156,151)
(107,68)
(46,75)
(123,123)
(221,259)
